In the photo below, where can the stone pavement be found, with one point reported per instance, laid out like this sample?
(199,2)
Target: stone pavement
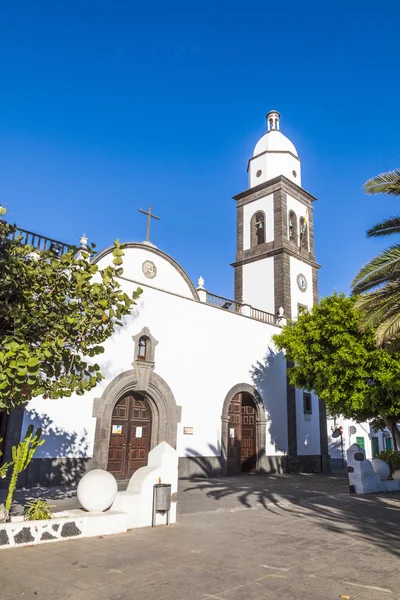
(245,538)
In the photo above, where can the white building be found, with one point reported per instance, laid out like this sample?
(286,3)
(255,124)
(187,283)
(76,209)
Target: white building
(362,434)
(198,370)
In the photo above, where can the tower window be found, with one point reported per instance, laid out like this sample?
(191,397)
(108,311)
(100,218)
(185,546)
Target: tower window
(259,173)
(292,226)
(303,233)
(258,228)
(142,348)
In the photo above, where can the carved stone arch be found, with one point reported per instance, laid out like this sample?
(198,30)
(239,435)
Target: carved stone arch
(164,411)
(257,233)
(152,343)
(261,422)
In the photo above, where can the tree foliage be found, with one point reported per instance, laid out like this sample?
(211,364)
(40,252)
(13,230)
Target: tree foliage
(55,314)
(378,282)
(343,364)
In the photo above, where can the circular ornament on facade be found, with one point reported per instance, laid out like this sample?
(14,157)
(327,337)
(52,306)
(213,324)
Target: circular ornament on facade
(259,173)
(294,173)
(302,282)
(149,269)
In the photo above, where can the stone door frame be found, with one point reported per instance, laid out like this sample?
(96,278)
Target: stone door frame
(165,413)
(261,423)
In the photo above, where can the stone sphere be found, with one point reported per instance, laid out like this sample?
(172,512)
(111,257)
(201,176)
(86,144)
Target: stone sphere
(396,474)
(97,490)
(380,468)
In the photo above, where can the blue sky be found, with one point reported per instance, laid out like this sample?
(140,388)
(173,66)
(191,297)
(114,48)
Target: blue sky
(107,107)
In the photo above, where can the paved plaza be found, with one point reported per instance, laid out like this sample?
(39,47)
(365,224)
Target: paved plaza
(244,538)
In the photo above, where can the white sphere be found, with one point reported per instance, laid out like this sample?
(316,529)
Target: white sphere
(97,490)
(396,474)
(381,468)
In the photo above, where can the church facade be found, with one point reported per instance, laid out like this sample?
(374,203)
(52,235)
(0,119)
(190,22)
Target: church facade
(197,370)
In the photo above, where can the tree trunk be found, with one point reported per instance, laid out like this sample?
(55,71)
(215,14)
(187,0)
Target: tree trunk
(394,430)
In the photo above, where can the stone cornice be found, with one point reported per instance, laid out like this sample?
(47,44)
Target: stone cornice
(269,187)
(274,252)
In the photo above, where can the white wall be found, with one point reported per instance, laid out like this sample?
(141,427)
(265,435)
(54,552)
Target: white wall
(258,284)
(265,204)
(308,434)
(202,353)
(168,277)
(273,164)
(297,296)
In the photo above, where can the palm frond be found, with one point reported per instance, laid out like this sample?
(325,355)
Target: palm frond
(376,307)
(388,330)
(386,183)
(370,275)
(387,227)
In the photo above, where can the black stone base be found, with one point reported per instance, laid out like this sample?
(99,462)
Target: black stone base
(200,466)
(213,466)
(52,471)
(311,463)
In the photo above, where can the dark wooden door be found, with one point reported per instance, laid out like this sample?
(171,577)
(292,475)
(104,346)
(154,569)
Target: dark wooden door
(248,448)
(242,434)
(130,436)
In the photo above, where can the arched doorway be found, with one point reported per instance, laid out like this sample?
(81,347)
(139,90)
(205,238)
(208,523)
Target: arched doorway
(165,414)
(130,435)
(242,434)
(243,430)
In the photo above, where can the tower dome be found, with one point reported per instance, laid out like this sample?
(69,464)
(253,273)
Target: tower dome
(274,155)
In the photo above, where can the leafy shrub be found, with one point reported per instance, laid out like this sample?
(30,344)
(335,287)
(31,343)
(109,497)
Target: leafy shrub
(392,458)
(37,510)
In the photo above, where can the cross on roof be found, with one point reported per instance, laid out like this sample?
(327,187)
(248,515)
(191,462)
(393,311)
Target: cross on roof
(149,217)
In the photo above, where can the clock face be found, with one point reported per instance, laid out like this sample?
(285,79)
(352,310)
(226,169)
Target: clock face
(302,282)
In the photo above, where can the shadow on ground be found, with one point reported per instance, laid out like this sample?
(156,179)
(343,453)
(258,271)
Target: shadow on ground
(371,518)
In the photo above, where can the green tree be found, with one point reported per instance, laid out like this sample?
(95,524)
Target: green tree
(343,364)
(55,313)
(378,282)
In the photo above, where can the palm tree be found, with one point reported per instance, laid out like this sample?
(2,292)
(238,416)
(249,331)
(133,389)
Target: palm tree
(378,282)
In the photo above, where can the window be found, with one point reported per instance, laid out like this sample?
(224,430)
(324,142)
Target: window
(292,226)
(257,228)
(142,348)
(388,443)
(301,308)
(303,233)
(360,442)
(307,403)
(375,446)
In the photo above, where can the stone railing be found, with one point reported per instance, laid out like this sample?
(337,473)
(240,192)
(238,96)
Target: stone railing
(240,308)
(224,303)
(40,242)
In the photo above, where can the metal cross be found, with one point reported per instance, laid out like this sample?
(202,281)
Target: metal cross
(149,217)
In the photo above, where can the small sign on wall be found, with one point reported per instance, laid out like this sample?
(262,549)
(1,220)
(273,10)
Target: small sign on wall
(117,429)
(231,433)
(188,430)
(139,432)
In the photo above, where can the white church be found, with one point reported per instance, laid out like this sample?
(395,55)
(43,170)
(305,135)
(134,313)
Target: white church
(163,380)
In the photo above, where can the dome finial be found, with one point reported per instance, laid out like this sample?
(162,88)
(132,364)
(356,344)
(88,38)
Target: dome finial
(273,120)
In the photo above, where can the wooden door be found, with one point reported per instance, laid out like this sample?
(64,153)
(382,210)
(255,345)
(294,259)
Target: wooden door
(234,434)
(242,435)
(139,438)
(129,436)
(248,448)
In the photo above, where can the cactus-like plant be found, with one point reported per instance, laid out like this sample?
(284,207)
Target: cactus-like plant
(22,455)
(4,467)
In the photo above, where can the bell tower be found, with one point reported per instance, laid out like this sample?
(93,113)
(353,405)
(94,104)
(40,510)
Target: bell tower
(275,260)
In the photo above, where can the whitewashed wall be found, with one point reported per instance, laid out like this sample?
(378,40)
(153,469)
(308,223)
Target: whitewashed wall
(202,353)
(297,296)
(258,284)
(308,434)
